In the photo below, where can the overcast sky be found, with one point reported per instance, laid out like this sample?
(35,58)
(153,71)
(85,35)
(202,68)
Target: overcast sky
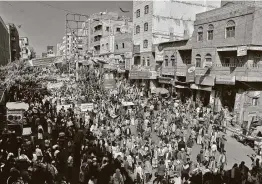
(44,23)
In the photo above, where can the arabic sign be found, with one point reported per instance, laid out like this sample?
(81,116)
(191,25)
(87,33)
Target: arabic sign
(87,107)
(242,51)
(190,74)
(225,79)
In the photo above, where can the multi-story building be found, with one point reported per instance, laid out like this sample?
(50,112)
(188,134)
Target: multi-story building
(44,54)
(4,44)
(27,52)
(50,51)
(226,51)
(104,25)
(14,42)
(161,21)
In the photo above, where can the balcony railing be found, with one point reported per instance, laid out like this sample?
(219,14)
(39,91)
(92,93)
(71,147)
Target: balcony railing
(238,65)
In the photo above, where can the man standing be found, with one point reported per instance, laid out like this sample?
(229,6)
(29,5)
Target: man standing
(244,172)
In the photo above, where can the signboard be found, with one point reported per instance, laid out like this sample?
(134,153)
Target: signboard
(48,61)
(59,107)
(225,79)
(242,51)
(87,107)
(54,85)
(190,73)
(205,80)
(143,74)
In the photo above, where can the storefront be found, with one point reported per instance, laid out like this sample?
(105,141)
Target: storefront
(225,92)
(202,89)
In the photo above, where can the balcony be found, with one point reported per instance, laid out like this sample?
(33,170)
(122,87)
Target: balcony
(98,32)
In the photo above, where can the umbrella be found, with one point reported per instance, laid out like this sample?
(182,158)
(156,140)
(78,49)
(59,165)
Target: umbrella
(160,91)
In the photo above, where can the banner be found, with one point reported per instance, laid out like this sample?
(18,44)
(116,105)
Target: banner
(54,85)
(190,73)
(87,107)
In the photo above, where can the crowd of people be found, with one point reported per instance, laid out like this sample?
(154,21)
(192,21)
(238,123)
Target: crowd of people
(128,137)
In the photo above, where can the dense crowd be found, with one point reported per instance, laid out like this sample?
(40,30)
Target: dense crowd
(150,139)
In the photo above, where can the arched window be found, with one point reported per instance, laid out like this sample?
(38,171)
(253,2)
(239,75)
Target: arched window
(166,60)
(137,13)
(210,32)
(145,43)
(148,61)
(198,60)
(137,29)
(230,29)
(143,62)
(200,34)
(146,26)
(208,58)
(173,60)
(146,9)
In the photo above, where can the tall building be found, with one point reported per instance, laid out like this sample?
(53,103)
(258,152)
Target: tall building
(50,51)
(5,55)
(161,21)
(14,42)
(27,52)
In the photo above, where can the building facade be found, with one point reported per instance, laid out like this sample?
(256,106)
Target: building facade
(14,42)
(5,55)
(225,51)
(155,22)
(27,51)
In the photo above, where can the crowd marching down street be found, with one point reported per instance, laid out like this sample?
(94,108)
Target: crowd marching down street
(125,137)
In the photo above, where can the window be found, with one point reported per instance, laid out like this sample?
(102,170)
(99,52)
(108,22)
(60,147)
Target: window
(146,9)
(146,26)
(123,45)
(254,101)
(107,46)
(198,60)
(137,13)
(107,28)
(145,43)
(210,32)
(117,29)
(173,60)
(116,46)
(137,29)
(230,29)
(166,60)
(148,61)
(208,58)
(143,62)
(200,34)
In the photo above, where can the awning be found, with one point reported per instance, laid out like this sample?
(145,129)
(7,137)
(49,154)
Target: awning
(199,87)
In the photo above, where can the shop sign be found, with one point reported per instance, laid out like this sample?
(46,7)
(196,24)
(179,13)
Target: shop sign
(199,87)
(87,107)
(242,51)
(190,73)
(164,81)
(225,79)
(205,80)
(142,75)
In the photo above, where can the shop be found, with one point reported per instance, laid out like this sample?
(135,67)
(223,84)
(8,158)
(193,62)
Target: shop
(225,92)
(202,89)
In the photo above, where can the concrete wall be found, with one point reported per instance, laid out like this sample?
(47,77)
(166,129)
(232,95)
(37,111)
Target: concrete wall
(107,44)
(125,39)
(243,18)
(4,44)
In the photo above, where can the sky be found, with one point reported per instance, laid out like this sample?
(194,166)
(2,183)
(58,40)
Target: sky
(44,22)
